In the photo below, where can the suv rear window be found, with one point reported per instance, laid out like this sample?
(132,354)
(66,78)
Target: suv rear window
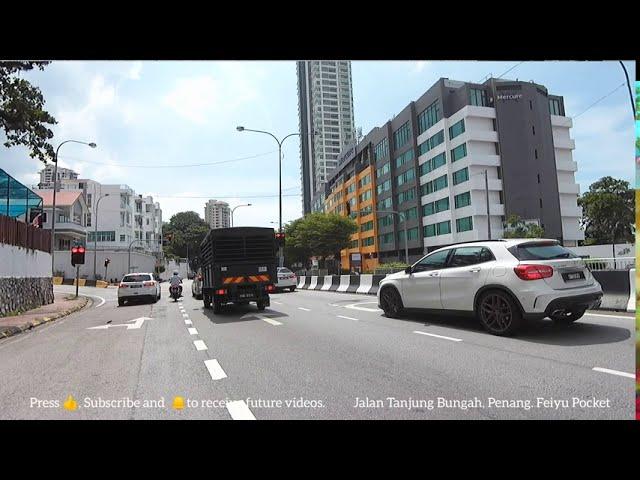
(541,251)
(136,278)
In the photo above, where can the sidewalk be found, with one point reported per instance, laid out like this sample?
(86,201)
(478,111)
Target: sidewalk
(59,308)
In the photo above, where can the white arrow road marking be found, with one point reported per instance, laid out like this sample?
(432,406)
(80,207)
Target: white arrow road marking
(138,323)
(614,372)
(263,316)
(215,370)
(200,345)
(438,336)
(356,306)
(192,331)
(239,410)
(348,318)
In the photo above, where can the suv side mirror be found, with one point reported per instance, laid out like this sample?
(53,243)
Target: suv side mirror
(408,270)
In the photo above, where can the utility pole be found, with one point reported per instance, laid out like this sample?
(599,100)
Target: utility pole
(486,190)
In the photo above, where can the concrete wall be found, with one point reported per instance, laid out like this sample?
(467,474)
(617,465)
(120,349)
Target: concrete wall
(25,279)
(171,266)
(140,262)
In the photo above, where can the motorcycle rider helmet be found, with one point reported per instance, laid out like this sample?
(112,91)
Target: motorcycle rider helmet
(175,272)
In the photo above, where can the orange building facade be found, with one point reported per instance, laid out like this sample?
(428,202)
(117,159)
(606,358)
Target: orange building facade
(351,192)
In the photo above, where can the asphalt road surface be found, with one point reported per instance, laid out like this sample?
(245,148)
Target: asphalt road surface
(311,355)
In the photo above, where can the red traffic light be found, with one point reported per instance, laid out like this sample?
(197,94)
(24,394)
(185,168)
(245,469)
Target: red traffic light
(279,236)
(80,249)
(74,250)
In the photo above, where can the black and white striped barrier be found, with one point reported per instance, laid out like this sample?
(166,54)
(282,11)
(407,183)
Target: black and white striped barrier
(619,286)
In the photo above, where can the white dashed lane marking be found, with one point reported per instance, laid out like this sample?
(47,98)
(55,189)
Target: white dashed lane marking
(614,372)
(192,331)
(348,318)
(277,303)
(188,322)
(438,336)
(200,345)
(185,315)
(239,410)
(305,309)
(215,370)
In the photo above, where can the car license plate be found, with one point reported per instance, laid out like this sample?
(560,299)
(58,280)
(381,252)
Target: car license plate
(135,286)
(573,276)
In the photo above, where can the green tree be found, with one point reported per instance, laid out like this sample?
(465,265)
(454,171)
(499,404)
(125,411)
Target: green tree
(318,234)
(608,212)
(187,230)
(515,227)
(22,117)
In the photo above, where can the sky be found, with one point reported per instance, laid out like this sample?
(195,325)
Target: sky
(145,114)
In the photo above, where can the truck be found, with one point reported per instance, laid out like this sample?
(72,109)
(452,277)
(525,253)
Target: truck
(239,266)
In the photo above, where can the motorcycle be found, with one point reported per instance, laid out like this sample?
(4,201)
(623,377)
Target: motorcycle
(174,292)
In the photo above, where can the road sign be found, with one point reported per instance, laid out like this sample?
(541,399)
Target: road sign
(137,323)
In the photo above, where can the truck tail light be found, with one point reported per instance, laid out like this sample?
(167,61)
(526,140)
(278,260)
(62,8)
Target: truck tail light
(533,272)
(270,288)
(221,291)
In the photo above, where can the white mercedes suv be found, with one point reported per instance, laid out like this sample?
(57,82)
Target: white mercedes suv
(501,282)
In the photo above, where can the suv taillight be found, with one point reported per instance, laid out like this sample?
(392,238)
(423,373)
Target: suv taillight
(149,284)
(533,272)
(122,285)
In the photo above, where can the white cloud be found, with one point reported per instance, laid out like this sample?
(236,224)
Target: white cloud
(134,71)
(194,98)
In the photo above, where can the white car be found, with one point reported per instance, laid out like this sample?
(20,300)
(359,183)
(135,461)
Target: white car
(286,279)
(501,282)
(196,286)
(138,285)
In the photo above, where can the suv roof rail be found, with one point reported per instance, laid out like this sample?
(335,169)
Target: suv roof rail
(473,241)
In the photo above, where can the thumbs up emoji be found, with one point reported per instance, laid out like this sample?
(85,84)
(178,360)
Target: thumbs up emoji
(70,404)
(178,403)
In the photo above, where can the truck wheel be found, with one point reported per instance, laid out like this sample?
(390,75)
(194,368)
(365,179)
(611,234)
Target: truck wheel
(292,289)
(207,301)
(261,306)
(217,307)
(120,302)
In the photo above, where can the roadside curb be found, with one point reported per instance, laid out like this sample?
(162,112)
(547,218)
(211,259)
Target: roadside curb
(6,332)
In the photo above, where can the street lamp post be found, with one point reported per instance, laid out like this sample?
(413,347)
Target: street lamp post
(95,237)
(238,206)
(404,222)
(55,189)
(279,142)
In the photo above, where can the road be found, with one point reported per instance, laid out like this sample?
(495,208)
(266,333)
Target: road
(312,355)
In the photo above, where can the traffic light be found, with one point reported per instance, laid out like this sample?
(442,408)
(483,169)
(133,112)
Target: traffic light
(77,255)
(280,239)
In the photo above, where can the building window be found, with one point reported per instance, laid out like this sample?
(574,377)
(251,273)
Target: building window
(101,236)
(501,197)
(365,227)
(410,214)
(463,199)
(533,129)
(353,244)
(404,158)
(443,228)
(406,177)
(88,199)
(381,150)
(433,163)
(385,238)
(442,204)
(365,196)
(431,143)
(367,242)
(456,129)
(461,176)
(386,221)
(554,106)
(366,180)
(464,224)
(406,196)
(385,204)
(535,151)
(459,152)
(122,238)
(429,117)
(88,219)
(383,170)
(351,188)
(429,230)
(401,136)
(478,97)
(384,186)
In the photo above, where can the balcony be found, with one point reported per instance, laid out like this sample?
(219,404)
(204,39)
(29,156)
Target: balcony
(485,160)
(476,182)
(564,144)
(570,211)
(70,228)
(572,188)
(482,136)
(567,165)
(558,121)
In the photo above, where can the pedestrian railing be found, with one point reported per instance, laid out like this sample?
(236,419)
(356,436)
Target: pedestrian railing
(21,234)
(618,263)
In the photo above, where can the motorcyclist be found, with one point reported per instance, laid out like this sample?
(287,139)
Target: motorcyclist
(176,280)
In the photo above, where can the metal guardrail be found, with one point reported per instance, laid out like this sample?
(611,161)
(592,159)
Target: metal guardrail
(618,263)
